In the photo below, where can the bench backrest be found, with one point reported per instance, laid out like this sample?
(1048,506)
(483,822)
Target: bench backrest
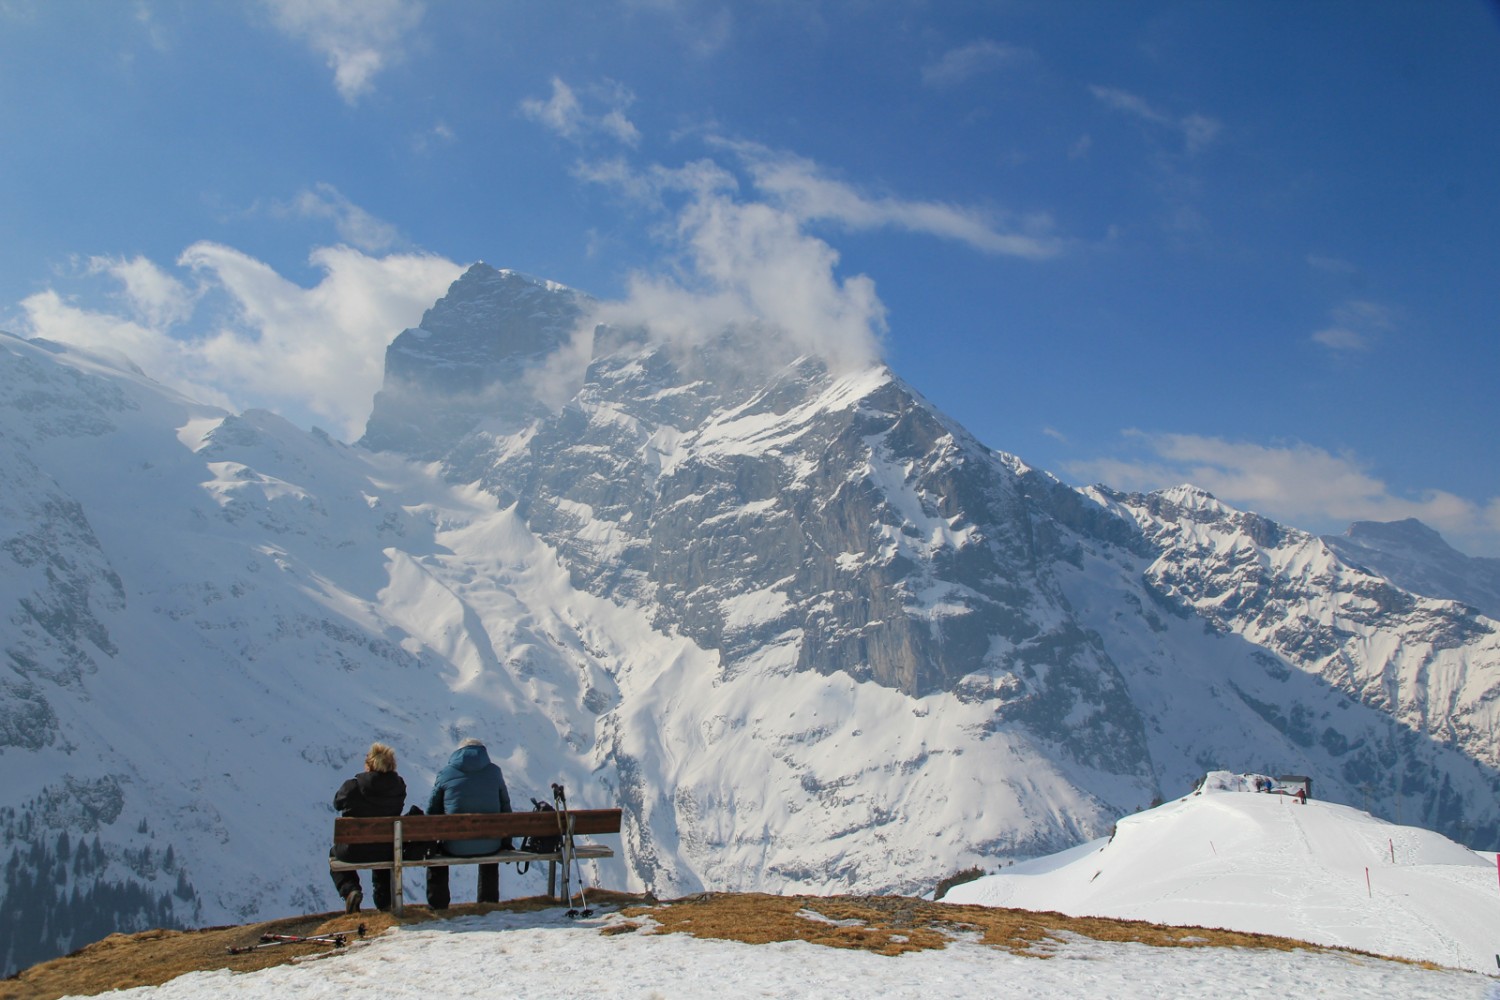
(472,826)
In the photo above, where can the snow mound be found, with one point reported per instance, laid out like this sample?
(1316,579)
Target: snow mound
(1264,863)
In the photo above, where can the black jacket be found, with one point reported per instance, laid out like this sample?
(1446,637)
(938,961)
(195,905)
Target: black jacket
(369,793)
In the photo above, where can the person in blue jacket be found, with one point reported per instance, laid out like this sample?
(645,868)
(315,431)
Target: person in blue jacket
(469,783)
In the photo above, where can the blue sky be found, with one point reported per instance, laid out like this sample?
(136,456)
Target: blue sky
(1251,246)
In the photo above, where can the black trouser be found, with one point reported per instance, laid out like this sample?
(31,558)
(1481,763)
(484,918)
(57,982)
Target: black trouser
(347,880)
(437,885)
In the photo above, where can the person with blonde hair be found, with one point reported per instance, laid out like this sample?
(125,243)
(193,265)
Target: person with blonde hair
(376,791)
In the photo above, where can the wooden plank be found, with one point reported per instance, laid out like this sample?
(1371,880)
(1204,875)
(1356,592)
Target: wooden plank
(585,852)
(472,826)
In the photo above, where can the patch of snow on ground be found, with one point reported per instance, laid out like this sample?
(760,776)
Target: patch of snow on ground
(543,955)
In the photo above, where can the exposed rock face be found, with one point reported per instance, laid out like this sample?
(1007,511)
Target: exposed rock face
(467,362)
(835,523)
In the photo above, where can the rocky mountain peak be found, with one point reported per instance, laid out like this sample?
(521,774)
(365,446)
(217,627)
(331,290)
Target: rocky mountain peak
(471,361)
(1416,557)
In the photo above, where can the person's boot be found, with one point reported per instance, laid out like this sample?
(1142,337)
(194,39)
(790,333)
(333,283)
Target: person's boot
(437,888)
(382,890)
(489,883)
(352,901)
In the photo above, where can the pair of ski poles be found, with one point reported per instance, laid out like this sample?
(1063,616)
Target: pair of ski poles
(276,940)
(560,800)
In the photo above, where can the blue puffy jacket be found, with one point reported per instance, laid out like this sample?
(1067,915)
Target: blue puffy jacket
(469,783)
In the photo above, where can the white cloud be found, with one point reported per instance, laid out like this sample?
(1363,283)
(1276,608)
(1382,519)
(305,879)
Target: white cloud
(1332,265)
(1354,326)
(703,27)
(800,187)
(359,38)
(353,224)
(564,113)
(745,264)
(967,61)
(752,265)
(1298,484)
(157,299)
(155,34)
(742,254)
(48,315)
(1341,338)
(561,112)
(1197,130)
(307,352)
(440,134)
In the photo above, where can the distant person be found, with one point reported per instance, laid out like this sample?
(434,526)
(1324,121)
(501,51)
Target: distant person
(1302,795)
(469,783)
(377,791)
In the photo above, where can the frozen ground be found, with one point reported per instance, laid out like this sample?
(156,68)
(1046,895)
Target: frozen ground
(542,955)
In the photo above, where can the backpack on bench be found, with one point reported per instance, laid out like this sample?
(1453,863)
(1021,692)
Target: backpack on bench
(550,844)
(418,850)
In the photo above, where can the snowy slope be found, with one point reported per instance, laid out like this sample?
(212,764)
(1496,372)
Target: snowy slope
(1263,863)
(211,617)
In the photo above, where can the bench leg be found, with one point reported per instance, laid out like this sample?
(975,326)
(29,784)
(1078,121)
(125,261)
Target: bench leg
(396,892)
(552,879)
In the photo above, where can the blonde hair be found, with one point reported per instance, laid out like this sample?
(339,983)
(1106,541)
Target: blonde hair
(380,758)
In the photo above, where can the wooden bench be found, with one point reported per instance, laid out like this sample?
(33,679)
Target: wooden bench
(399,830)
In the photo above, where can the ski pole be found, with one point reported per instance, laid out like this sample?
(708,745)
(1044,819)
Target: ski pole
(570,855)
(560,800)
(578,869)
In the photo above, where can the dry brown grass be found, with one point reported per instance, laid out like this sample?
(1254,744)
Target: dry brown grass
(150,958)
(884,925)
(890,925)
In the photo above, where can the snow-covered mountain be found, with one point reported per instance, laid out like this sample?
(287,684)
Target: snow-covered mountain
(808,631)
(1415,558)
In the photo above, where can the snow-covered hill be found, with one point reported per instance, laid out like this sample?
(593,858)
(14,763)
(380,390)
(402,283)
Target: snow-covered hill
(1228,857)
(804,628)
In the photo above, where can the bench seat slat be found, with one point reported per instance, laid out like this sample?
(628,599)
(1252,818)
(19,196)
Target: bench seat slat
(584,852)
(472,826)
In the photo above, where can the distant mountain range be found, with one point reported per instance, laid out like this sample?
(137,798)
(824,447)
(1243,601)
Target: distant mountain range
(809,632)
(1415,558)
